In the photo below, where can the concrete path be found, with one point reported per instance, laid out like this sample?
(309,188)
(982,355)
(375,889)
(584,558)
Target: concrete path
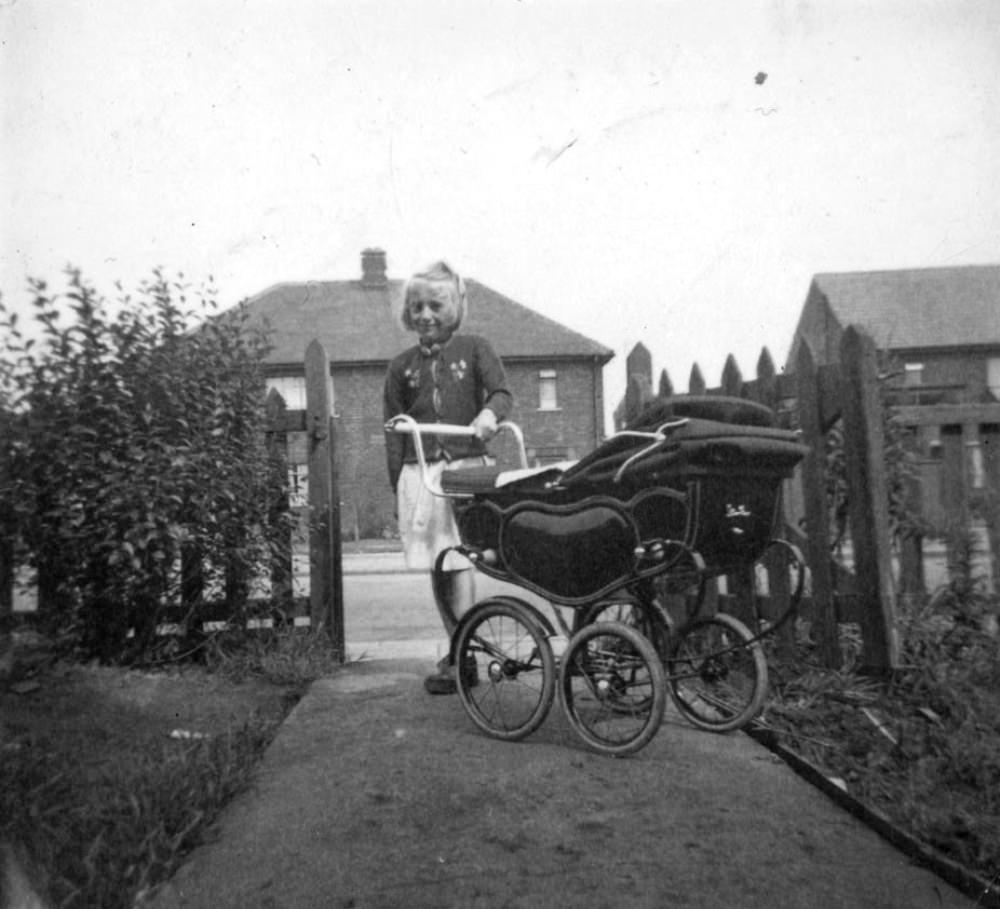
(375,794)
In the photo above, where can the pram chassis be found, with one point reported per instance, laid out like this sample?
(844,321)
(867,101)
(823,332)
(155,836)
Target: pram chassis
(612,680)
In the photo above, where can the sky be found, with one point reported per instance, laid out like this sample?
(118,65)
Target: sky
(666,172)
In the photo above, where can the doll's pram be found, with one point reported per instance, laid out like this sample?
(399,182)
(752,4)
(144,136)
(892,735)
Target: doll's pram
(683,494)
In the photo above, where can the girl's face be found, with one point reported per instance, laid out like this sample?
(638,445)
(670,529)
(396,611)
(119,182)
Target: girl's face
(432,310)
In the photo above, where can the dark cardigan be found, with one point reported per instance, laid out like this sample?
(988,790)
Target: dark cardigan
(450,384)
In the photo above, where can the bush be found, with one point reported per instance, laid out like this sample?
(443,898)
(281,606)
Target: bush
(134,445)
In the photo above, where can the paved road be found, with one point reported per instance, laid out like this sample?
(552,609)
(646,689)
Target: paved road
(389,613)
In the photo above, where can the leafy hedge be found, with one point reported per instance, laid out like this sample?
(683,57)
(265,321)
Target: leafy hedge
(133,443)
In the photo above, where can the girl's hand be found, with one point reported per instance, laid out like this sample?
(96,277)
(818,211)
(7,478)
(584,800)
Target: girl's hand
(485,424)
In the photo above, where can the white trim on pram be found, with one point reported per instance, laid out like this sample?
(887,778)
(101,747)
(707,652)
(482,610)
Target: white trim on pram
(506,477)
(403,423)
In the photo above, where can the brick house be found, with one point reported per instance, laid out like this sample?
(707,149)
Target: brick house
(941,329)
(555,374)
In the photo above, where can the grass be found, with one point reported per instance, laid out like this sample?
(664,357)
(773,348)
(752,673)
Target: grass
(101,813)
(286,658)
(101,835)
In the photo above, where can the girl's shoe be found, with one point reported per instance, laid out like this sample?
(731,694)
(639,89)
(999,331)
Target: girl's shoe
(443,681)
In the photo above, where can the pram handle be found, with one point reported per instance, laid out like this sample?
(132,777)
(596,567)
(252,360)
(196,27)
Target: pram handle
(403,423)
(657,437)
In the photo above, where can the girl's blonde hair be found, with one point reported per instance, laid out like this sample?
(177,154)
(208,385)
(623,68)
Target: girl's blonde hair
(439,272)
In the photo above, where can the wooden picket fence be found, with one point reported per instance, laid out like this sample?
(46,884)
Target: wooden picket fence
(814,398)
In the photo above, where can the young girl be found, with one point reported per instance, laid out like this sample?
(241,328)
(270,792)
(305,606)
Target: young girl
(445,378)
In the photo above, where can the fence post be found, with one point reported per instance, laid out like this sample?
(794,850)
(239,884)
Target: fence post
(732,378)
(868,499)
(635,398)
(6,579)
(7,571)
(639,365)
(912,579)
(991,456)
(775,563)
(740,583)
(281,534)
(323,612)
(666,387)
(953,496)
(192,581)
(337,574)
(696,381)
(814,502)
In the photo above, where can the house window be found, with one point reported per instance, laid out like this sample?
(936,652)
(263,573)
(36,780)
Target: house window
(977,472)
(935,449)
(993,377)
(291,388)
(547,399)
(913,374)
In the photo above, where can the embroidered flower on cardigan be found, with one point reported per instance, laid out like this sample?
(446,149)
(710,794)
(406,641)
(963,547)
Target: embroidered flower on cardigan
(458,370)
(412,377)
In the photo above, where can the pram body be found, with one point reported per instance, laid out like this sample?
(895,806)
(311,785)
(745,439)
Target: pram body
(631,507)
(694,485)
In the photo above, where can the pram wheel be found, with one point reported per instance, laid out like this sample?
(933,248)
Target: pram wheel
(538,617)
(683,588)
(717,673)
(612,687)
(779,576)
(648,618)
(505,668)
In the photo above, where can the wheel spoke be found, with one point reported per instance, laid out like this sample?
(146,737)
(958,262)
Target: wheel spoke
(717,673)
(508,680)
(612,687)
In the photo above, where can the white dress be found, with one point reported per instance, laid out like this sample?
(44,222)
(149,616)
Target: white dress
(427,521)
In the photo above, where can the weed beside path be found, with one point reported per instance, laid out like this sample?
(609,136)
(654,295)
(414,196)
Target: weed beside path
(110,776)
(923,749)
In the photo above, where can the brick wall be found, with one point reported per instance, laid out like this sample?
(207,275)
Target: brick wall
(367,505)
(575,427)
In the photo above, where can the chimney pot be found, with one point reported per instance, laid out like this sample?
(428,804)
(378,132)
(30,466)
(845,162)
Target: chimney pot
(373,268)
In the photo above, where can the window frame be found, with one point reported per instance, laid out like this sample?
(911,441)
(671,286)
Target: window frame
(295,386)
(548,381)
(913,375)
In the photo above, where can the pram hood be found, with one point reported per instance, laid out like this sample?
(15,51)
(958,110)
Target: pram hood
(717,408)
(696,442)
(693,447)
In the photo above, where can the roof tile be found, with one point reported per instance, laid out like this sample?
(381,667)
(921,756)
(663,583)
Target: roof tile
(919,308)
(357,323)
